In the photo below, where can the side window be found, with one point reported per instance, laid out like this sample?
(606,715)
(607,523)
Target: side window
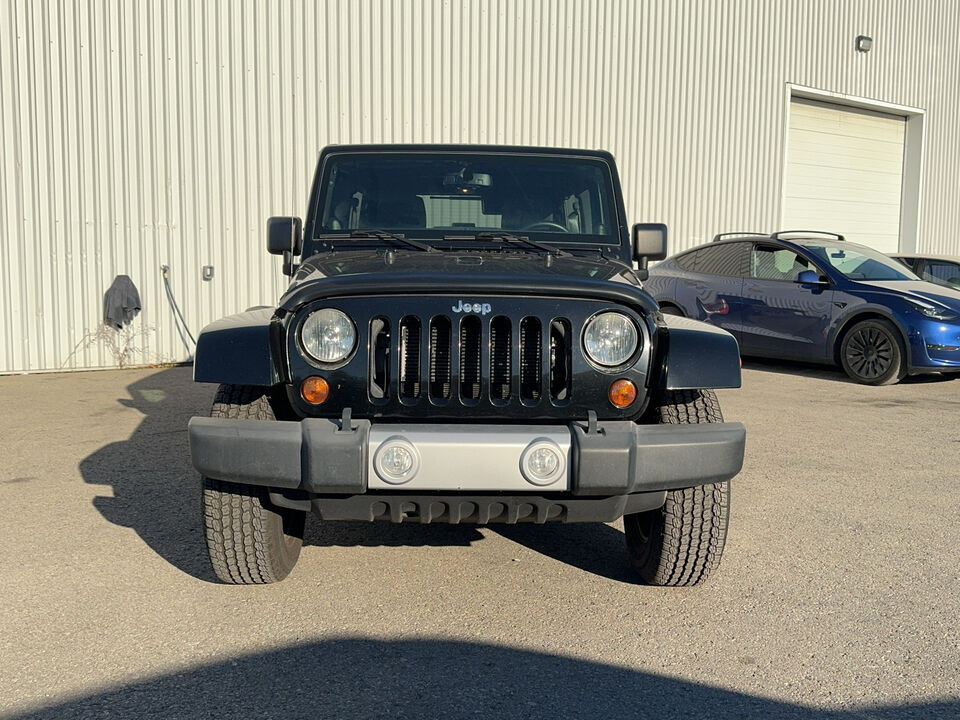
(726,259)
(938,271)
(769,262)
(909,262)
(687,261)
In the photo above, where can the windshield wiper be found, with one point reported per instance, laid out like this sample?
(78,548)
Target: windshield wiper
(510,238)
(379,235)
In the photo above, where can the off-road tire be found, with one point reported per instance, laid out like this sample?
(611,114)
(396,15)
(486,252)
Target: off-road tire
(671,310)
(681,543)
(250,541)
(886,365)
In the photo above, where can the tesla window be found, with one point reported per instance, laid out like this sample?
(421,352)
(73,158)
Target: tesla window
(726,259)
(858,262)
(771,262)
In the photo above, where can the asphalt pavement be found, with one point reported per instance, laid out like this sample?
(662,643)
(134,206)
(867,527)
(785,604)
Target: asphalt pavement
(838,595)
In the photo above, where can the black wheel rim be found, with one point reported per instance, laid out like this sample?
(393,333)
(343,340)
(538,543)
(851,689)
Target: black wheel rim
(870,353)
(643,528)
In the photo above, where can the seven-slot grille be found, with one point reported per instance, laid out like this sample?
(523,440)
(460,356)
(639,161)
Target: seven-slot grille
(470,360)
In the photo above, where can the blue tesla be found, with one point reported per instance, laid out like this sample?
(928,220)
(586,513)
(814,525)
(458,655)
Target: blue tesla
(814,297)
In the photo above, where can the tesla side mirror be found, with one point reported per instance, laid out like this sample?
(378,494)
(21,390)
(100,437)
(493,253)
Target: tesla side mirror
(285,237)
(810,277)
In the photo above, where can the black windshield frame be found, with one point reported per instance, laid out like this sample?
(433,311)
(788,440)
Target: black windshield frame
(615,240)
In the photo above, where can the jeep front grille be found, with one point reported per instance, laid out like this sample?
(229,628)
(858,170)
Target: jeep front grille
(440,357)
(530,359)
(409,358)
(471,360)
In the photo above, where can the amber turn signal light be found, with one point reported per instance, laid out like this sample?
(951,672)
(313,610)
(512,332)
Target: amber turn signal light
(622,393)
(315,390)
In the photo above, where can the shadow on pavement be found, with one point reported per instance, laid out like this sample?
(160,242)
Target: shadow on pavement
(362,678)
(156,491)
(830,372)
(592,547)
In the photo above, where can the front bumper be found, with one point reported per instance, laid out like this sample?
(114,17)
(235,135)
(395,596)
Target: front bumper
(934,346)
(317,457)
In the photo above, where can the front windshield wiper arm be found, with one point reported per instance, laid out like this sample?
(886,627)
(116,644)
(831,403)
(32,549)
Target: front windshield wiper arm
(510,238)
(380,235)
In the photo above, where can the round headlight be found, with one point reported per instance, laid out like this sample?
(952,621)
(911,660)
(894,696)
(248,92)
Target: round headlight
(328,335)
(610,339)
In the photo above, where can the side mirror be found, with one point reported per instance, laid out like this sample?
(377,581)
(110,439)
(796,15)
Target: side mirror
(649,243)
(285,237)
(284,234)
(810,277)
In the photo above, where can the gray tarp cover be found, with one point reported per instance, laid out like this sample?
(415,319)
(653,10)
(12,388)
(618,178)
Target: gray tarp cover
(121,302)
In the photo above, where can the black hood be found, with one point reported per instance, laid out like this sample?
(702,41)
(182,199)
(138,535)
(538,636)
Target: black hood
(402,271)
(457,262)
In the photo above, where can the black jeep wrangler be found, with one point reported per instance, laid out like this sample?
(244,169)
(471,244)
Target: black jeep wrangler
(465,339)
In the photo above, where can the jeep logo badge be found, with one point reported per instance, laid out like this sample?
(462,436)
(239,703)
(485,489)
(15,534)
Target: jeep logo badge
(465,307)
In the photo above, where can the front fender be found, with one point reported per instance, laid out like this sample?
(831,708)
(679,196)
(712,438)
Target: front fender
(698,355)
(861,309)
(237,350)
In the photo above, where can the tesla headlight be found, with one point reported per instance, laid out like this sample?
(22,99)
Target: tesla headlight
(935,312)
(328,335)
(610,339)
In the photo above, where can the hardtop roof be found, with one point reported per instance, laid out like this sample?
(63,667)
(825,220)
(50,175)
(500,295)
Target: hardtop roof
(467,148)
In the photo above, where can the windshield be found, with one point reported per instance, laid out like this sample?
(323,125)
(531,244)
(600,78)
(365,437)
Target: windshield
(432,195)
(859,262)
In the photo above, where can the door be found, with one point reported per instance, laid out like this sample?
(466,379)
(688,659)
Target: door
(782,318)
(712,292)
(844,173)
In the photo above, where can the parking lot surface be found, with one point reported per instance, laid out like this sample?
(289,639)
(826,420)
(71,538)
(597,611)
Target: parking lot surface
(838,595)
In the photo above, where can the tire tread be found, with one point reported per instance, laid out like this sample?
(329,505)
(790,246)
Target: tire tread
(240,525)
(691,527)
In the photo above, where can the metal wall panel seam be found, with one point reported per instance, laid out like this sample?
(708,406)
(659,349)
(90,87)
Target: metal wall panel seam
(8,175)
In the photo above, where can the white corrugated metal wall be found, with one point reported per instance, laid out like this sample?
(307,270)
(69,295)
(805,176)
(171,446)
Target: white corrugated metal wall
(141,134)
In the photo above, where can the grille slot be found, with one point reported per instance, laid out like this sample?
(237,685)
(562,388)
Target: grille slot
(530,359)
(500,384)
(379,366)
(560,360)
(440,358)
(410,357)
(470,350)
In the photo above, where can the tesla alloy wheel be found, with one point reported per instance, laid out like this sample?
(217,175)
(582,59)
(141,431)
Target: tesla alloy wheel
(872,353)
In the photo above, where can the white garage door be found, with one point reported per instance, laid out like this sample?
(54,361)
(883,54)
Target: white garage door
(844,172)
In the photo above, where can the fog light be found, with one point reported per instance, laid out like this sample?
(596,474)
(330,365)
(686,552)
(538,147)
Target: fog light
(542,463)
(396,461)
(315,390)
(622,393)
